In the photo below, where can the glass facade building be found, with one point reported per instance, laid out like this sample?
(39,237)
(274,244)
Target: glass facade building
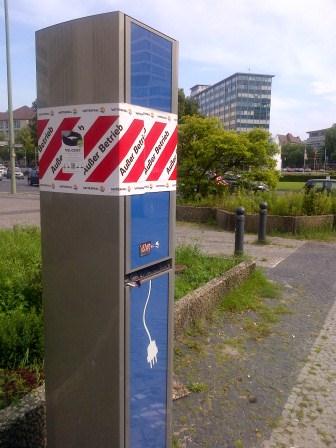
(241,101)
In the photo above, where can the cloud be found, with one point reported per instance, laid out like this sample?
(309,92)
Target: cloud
(324,87)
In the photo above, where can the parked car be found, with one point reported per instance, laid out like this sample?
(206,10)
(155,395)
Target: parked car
(18,173)
(33,177)
(319,185)
(258,186)
(3,170)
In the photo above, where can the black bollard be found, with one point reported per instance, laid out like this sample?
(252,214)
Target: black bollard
(239,236)
(262,222)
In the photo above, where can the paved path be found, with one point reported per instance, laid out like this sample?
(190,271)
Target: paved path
(309,416)
(275,392)
(218,242)
(19,209)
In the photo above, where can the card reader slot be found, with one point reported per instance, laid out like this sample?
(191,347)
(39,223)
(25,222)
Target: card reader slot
(136,278)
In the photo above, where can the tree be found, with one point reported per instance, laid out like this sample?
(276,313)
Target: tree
(330,143)
(186,105)
(205,150)
(292,155)
(4,151)
(26,138)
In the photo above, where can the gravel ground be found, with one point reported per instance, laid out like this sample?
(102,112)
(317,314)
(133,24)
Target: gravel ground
(245,382)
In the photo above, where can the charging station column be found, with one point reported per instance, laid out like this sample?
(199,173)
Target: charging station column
(107,125)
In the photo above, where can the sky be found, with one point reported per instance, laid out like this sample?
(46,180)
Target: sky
(294,40)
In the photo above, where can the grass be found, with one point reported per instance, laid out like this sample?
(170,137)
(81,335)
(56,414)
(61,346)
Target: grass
(250,297)
(21,327)
(197,387)
(290,186)
(200,268)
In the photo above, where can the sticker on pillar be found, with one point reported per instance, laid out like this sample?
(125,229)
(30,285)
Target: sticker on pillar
(107,149)
(146,248)
(152,350)
(72,152)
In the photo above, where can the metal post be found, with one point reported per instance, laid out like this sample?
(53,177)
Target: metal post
(239,235)
(10,107)
(262,222)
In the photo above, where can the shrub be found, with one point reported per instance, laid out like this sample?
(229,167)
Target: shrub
(20,269)
(21,339)
(290,204)
(21,342)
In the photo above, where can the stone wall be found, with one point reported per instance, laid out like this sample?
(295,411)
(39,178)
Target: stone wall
(195,214)
(201,302)
(23,425)
(226,220)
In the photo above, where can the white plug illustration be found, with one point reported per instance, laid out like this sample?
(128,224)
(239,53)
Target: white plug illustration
(152,349)
(156,245)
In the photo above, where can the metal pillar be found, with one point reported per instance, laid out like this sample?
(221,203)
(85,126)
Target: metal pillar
(262,222)
(11,138)
(108,380)
(239,231)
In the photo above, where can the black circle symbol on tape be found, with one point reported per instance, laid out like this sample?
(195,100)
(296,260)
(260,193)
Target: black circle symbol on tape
(71,138)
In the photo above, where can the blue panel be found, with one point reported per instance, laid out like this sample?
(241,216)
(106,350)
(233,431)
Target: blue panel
(149,363)
(151,69)
(149,228)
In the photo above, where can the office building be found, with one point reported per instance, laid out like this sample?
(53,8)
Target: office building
(241,101)
(316,139)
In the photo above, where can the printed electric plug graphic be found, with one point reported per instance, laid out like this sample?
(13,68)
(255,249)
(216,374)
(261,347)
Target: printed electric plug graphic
(152,349)
(156,245)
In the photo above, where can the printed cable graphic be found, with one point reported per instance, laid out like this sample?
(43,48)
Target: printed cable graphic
(152,349)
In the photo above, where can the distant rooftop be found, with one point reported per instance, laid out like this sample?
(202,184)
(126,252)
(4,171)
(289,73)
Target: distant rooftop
(22,113)
(288,138)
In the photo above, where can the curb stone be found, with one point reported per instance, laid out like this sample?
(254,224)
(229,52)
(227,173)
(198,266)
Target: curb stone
(201,302)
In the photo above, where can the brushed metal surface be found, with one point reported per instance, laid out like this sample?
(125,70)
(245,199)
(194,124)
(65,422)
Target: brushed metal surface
(84,318)
(81,61)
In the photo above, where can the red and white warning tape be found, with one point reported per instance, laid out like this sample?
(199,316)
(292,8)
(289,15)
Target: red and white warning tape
(109,149)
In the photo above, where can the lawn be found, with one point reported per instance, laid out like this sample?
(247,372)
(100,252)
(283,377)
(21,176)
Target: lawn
(290,186)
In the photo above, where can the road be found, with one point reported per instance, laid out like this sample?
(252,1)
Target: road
(21,186)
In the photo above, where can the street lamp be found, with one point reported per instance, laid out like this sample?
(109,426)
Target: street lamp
(10,106)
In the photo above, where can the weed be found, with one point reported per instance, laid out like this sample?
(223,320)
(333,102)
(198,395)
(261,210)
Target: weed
(200,268)
(176,443)
(197,387)
(248,296)
(256,330)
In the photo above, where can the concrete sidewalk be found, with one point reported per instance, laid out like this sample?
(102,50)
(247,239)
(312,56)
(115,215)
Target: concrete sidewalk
(215,241)
(19,209)
(271,391)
